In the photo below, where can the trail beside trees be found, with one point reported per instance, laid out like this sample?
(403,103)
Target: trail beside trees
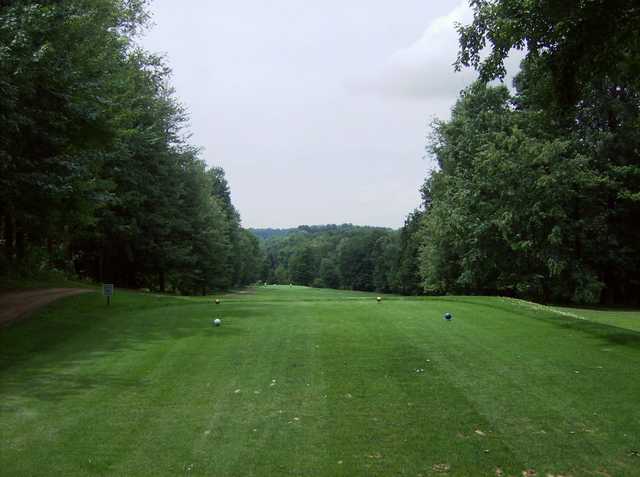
(15,305)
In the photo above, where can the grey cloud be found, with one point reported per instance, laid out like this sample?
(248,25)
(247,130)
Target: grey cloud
(265,85)
(424,70)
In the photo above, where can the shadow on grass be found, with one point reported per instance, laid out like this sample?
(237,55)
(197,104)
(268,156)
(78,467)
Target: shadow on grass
(54,385)
(608,333)
(61,351)
(606,308)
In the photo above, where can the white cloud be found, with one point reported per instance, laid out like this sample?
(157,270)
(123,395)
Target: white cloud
(265,84)
(424,70)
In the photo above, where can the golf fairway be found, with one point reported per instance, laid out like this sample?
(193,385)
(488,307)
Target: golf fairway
(307,382)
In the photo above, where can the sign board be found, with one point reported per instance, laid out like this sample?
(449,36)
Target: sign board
(107,289)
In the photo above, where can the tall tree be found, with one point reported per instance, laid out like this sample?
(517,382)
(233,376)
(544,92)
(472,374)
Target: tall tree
(303,265)
(408,276)
(578,41)
(56,70)
(500,218)
(96,175)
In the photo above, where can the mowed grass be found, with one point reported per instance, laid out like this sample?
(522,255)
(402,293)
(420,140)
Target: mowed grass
(309,382)
(619,317)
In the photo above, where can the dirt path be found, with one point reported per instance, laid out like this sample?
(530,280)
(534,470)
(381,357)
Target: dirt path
(19,304)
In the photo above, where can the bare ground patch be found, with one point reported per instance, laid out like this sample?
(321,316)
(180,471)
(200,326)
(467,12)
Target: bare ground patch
(18,305)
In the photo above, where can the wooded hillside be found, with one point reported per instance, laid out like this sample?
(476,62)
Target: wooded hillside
(97,178)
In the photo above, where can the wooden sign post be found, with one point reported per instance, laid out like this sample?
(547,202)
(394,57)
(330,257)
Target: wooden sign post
(107,290)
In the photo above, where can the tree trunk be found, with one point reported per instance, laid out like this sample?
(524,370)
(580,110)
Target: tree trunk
(101,265)
(161,279)
(546,291)
(9,236)
(20,242)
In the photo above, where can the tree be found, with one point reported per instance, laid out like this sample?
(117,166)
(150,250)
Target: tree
(252,258)
(578,41)
(329,275)
(581,78)
(220,189)
(386,253)
(281,275)
(57,67)
(96,175)
(334,256)
(408,275)
(355,261)
(303,266)
(501,213)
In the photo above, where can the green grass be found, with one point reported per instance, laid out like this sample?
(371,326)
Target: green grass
(309,382)
(619,317)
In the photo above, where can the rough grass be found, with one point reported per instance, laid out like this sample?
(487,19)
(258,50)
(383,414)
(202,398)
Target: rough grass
(316,382)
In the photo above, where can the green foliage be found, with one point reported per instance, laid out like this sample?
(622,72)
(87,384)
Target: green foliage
(537,194)
(94,167)
(521,209)
(577,41)
(498,220)
(332,256)
(408,276)
(280,275)
(303,266)
(329,273)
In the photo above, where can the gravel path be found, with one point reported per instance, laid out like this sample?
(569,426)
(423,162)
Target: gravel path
(19,304)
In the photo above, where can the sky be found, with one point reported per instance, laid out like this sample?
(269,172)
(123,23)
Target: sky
(318,111)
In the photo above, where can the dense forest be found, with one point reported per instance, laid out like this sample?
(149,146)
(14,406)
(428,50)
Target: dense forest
(537,189)
(536,192)
(343,256)
(96,177)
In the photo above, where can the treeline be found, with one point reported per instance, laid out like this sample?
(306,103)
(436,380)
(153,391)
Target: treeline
(267,233)
(344,256)
(96,176)
(537,190)
(537,193)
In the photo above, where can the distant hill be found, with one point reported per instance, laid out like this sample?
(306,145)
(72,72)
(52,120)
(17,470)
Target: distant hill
(268,233)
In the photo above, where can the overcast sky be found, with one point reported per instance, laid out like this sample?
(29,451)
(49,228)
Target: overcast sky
(317,110)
